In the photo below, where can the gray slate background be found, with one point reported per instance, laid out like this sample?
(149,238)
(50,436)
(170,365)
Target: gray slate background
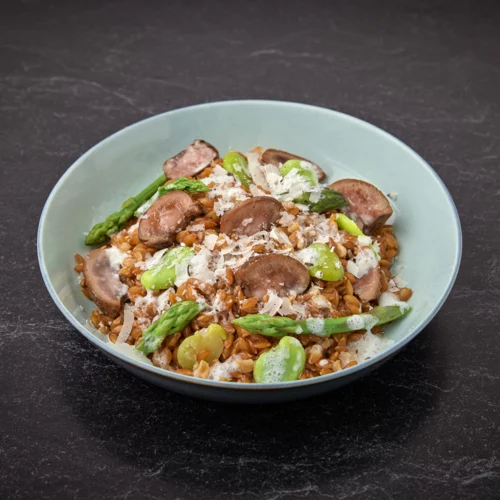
(75,426)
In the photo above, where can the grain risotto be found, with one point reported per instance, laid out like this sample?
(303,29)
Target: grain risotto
(246,268)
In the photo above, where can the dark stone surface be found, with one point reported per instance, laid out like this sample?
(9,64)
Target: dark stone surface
(74,425)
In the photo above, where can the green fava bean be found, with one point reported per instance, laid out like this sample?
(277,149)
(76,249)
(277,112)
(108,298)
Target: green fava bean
(282,363)
(327,265)
(163,275)
(348,225)
(235,164)
(343,222)
(302,170)
(210,340)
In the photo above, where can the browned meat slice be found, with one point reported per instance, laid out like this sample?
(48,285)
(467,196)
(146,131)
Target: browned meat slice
(251,216)
(168,215)
(367,205)
(367,288)
(277,158)
(191,161)
(103,282)
(280,273)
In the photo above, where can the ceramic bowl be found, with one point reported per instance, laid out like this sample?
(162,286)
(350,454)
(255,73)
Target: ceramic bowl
(344,146)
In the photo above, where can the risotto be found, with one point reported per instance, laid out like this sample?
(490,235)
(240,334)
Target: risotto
(246,268)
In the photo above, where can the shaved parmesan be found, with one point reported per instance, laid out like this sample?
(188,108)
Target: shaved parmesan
(280,236)
(218,171)
(128,323)
(200,267)
(224,371)
(247,221)
(288,308)
(155,259)
(286,219)
(290,186)
(132,228)
(308,256)
(321,301)
(272,306)
(364,262)
(400,282)
(210,241)
(115,257)
(181,272)
(163,301)
(364,240)
(256,191)
(256,172)
(315,196)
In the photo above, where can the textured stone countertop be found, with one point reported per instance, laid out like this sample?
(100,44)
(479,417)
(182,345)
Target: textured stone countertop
(75,426)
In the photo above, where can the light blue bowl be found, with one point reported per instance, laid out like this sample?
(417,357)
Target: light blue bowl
(427,225)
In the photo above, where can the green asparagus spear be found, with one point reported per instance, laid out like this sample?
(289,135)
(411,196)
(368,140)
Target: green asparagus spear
(171,321)
(281,326)
(103,230)
(181,184)
(329,200)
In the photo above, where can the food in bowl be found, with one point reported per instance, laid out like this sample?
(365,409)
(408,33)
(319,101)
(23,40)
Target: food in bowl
(246,268)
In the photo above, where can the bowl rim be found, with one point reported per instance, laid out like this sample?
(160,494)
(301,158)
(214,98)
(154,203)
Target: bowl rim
(215,384)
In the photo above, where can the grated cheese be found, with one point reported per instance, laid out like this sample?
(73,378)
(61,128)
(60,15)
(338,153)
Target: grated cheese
(286,219)
(218,171)
(273,305)
(199,267)
(364,240)
(128,323)
(290,186)
(115,257)
(280,236)
(210,241)
(400,282)
(308,256)
(181,272)
(224,371)
(256,172)
(364,262)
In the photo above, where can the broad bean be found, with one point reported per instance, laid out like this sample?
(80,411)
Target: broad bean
(326,265)
(346,224)
(282,363)
(235,164)
(210,340)
(302,168)
(163,275)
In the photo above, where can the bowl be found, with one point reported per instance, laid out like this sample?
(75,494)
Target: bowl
(344,146)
